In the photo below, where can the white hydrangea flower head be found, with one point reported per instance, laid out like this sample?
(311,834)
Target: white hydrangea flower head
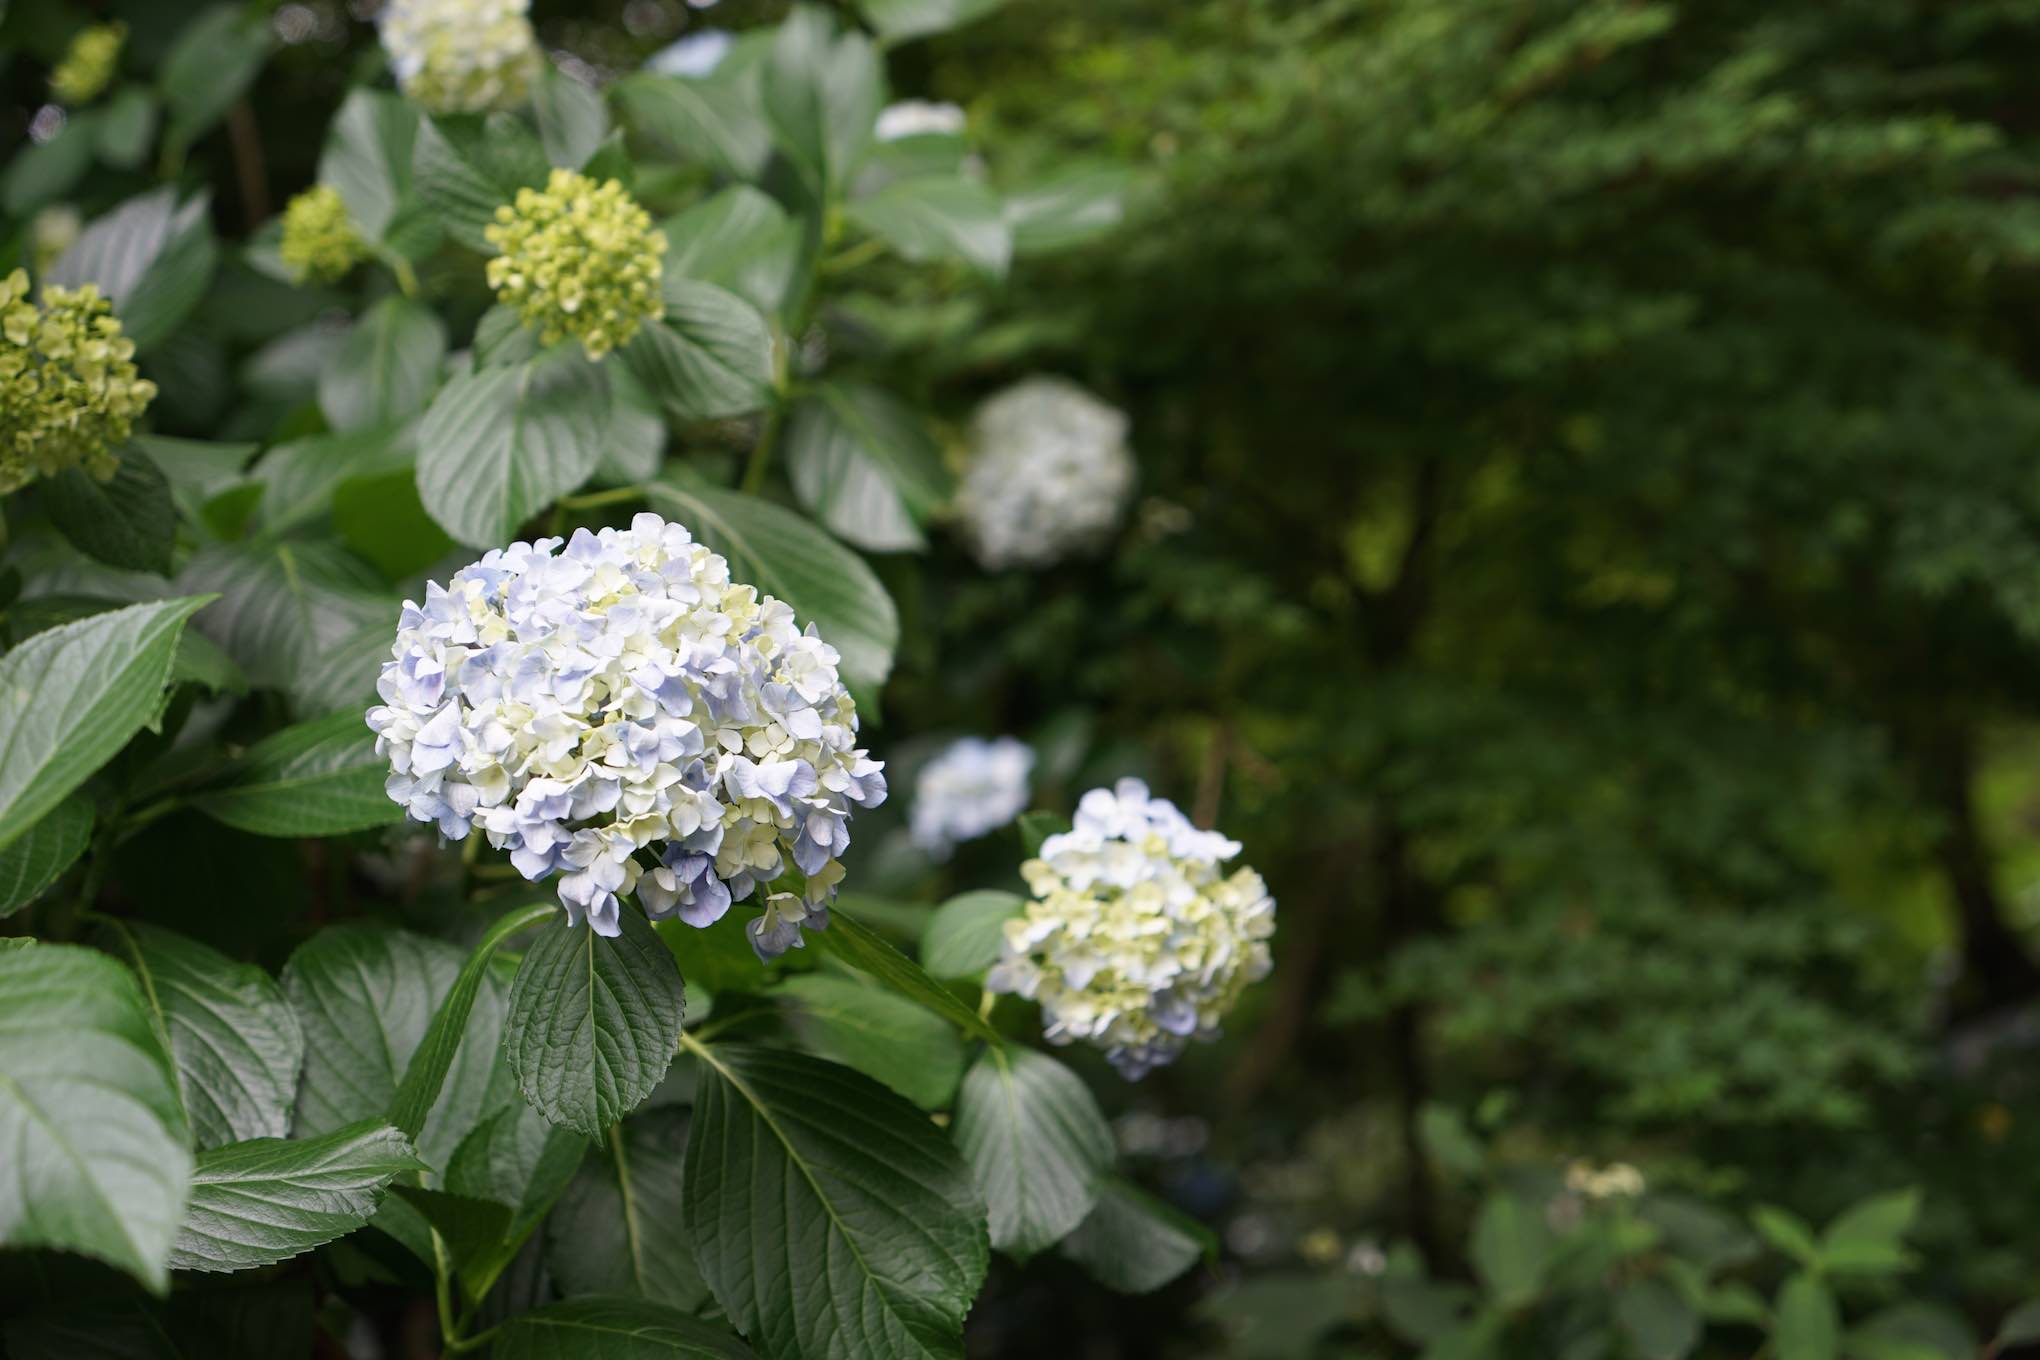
(918,118)
(974,787)
(462,56)
(1049,474)
(620,713)
(1136,939)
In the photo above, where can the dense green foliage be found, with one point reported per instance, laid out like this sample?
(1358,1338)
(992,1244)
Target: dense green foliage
(1585,548)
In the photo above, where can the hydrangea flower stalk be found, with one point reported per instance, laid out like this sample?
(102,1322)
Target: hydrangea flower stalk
(69,393)
(1136,940)
(89,64)
(320,241)
(1049,474)
(618,712)
(972,788)
(578,258)
(462,56)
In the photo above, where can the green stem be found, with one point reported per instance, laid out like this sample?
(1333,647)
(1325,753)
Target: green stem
(761,452)
(442,1292)
(864,252)
(986,1004)
(407,278)
(152,812)
(613,496)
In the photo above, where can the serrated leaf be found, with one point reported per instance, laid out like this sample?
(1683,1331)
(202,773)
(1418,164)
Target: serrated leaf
(739,239)
(1511,1249)
(128,521)
(855,945)
(939,217)
(614,1329)
(501,444)
(711,356)
(1133,1243)
(1659,1324)
(593,1021)
(886,1037)
(467,167)
(210,66)
(621,1227)
(299,478)
(152,257)
(720,120)
(266,1200)
(387,368)
(39,857)
(637,430)
(365,996)
(1869,1236)
(425,1073)
(1807,1324)
(126,127)
(785,555)
(830,1218)
(45,171)
(965,934)
(571,119)
(90,1129)
(898,20)
(1787,1233)
(317,778)
(822,92)
(1069,208)
(865,465)
(90,686)
(290,612)
(235,1040)
(517,1160)
(367,157)
(1037,1145)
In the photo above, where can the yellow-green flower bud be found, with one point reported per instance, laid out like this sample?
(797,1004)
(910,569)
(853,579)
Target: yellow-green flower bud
(53,232)
(69,395)
(462,56)
(88,66)
(578,258)
(320,241)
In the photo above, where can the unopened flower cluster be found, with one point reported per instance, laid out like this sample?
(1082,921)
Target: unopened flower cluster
(69,394)
(619,712)
(1136,940)
(1049,474)
(578,258)
(973,787)
(1617,1180)
(320,241)
(89,64)
(462,56)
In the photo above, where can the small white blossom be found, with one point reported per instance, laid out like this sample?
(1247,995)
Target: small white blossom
(696,55)
(919,118)
(623,715)
(462,56)
(973,787)
(1049,474)
(1135,939)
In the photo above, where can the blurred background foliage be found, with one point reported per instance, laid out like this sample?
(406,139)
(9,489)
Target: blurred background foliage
(1588,550)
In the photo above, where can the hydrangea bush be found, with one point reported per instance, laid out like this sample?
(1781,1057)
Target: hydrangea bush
(477,546)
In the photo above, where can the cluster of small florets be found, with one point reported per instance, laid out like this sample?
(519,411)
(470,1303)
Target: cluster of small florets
(578,258)
(622,714)
(973,787)
(320,241)
(1617,1180)
(1135,940)
(1049,474)
(88,64)
(462,56)
(69,394)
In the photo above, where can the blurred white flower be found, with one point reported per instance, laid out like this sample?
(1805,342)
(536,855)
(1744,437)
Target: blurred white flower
(1135,939)
(1615,1180)
(462,56)
(624,715)
(919,118)
(1049,474)
(973,787)
(697,54)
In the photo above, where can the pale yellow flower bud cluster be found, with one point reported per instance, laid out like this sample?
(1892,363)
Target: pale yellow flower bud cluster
(578,259)
(320,241)
(69,394)
(89,64)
